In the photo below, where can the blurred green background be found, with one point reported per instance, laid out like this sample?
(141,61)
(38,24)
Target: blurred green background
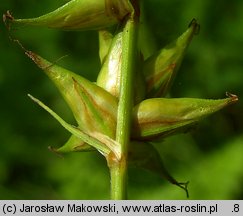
(210,157)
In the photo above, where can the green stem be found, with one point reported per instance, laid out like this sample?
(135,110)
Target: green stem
(118,169)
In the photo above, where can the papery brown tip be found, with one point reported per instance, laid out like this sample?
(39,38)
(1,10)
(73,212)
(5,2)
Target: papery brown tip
(40,62)
(233,97)
(184,186)
(35,58)
(7,19)
(53,150)
(195,25)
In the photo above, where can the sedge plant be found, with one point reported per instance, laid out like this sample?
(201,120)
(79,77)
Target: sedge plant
(126,109)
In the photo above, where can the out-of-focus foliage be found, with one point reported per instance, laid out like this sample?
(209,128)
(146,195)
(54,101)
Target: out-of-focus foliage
(210,157)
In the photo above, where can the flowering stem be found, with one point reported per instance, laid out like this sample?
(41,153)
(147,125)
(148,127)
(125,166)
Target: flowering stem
(118,169)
